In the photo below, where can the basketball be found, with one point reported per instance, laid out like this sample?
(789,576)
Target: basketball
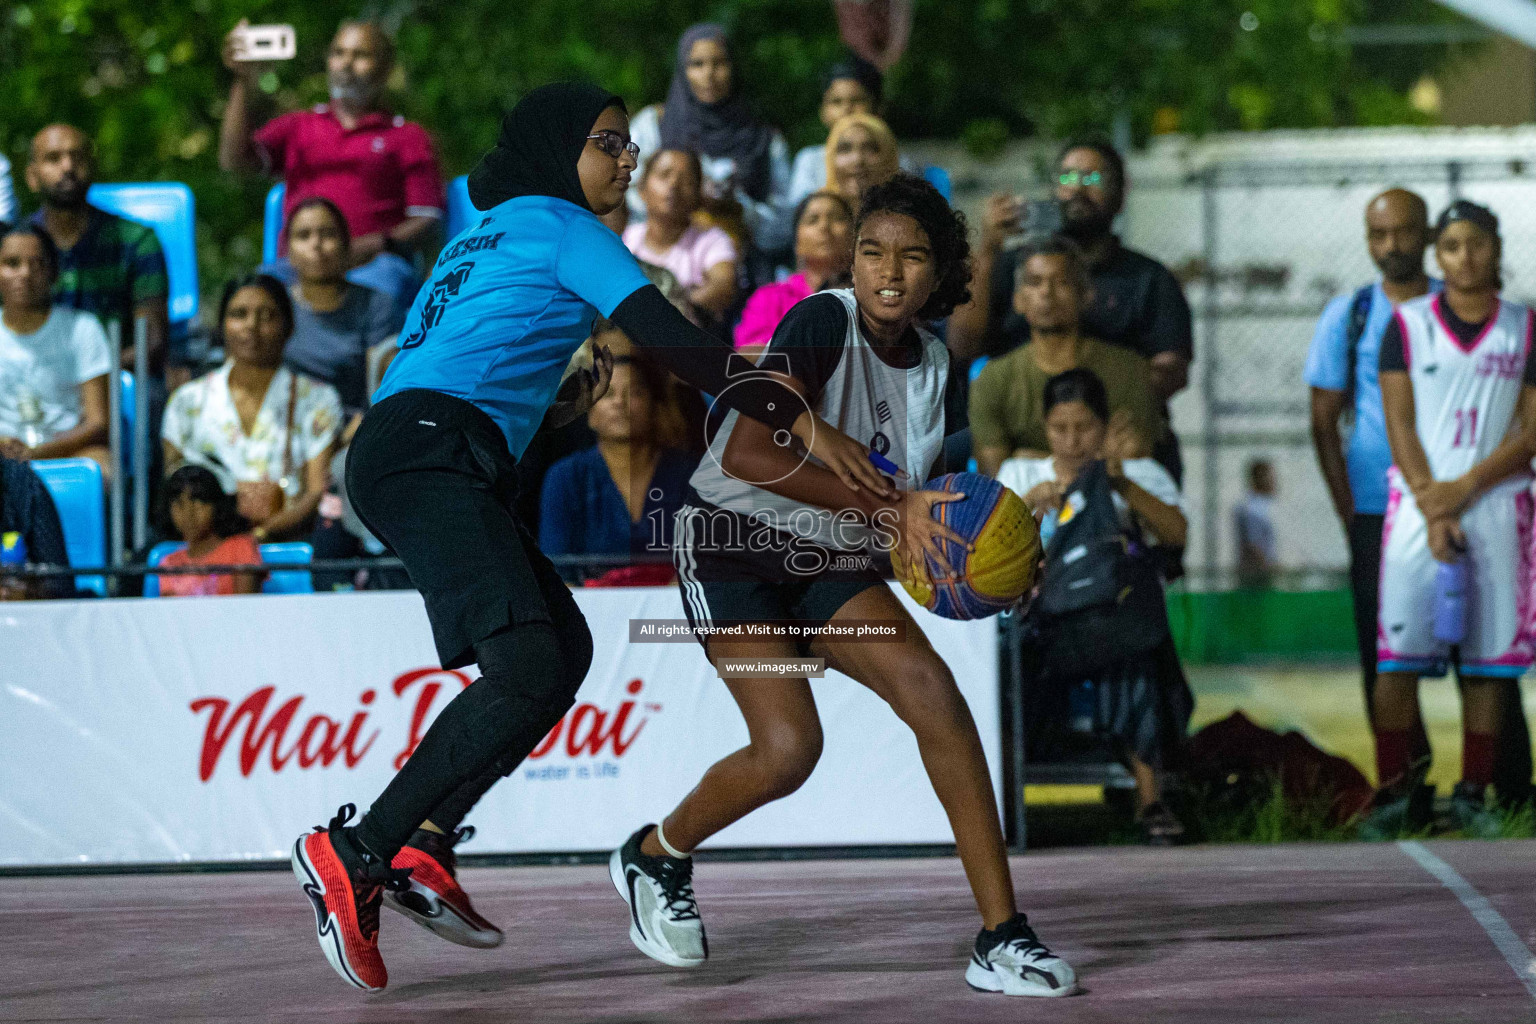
(1002,567)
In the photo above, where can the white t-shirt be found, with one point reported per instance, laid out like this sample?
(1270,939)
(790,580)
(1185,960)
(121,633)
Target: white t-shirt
(48,366)
(1022,475)
(202,422)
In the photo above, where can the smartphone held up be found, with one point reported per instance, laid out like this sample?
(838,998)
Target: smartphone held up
(263,42)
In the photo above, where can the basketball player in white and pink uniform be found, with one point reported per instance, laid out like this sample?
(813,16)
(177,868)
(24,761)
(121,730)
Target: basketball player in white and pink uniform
(1458,386)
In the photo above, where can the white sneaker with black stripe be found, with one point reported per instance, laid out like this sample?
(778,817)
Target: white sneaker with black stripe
(1012,960)
(664,919)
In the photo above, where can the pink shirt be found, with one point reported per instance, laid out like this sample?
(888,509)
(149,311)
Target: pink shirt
(767,307)
(691,255)
(379,173)
(240,549)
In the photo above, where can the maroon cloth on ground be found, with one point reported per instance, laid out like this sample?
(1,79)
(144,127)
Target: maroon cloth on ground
(657,574)
(1236,746)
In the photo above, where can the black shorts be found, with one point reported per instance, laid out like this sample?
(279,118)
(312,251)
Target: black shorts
(732,570)
(430,475)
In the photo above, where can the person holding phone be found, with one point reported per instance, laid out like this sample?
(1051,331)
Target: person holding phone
(378,168)
(1137,303)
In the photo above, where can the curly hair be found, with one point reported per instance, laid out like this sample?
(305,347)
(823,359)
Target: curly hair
(913,197)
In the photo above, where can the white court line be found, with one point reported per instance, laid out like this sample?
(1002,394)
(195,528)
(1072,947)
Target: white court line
(1520,958)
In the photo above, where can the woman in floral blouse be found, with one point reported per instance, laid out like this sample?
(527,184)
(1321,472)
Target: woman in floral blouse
(264,430)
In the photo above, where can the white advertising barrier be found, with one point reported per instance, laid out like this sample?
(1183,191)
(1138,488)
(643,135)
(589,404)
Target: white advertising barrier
(218,729)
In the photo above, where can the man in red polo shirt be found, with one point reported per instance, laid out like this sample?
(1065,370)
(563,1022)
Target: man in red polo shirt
(379,168)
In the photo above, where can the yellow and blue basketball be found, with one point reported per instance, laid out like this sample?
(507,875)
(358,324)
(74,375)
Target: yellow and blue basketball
(997,573)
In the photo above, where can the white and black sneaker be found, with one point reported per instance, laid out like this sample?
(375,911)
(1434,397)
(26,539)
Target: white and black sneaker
(664,919)
(1012,960)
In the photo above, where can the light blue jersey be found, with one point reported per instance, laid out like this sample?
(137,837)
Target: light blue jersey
(1368,455)
(509,302)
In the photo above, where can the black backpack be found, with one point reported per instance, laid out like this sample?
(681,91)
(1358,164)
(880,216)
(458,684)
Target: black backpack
(1100,602)
(1359,314)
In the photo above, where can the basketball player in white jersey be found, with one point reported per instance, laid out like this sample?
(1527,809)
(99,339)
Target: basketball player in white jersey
(1458,385)
(767,537)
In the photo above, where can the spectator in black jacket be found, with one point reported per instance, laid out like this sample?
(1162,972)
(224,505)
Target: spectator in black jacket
(1137,303)
(27,509)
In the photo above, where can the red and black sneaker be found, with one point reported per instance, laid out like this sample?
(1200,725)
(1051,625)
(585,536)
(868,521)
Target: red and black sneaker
(345,883)
(434,899)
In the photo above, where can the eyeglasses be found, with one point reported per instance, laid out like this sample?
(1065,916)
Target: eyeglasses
(1071,178)
(615,145)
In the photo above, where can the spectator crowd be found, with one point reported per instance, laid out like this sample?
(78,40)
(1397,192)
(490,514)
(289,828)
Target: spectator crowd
(1066,355)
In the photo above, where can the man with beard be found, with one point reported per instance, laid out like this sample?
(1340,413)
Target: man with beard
(108,266)
(379,168)
(1136,304)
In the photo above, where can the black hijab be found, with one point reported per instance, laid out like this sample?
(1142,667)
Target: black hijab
(541,141)
(728,128)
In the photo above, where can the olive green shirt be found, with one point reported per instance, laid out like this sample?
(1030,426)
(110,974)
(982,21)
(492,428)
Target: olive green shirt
(1007,403)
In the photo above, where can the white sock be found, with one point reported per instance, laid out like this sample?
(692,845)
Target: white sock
(661,841)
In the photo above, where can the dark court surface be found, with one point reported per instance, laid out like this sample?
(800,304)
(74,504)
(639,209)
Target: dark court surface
(1347,933)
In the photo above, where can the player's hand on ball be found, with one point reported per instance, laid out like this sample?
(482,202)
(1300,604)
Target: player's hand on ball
(919,534)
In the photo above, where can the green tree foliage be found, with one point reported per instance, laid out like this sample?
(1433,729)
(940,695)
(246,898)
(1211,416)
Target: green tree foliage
(145,79)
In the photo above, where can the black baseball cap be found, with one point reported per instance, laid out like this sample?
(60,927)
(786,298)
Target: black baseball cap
(1475,213)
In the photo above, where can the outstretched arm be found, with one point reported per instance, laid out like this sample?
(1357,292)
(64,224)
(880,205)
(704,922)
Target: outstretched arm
(712,366)
(754,453)
(236,151)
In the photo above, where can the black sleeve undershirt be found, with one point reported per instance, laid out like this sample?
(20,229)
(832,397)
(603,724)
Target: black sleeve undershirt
(808,343)
(706,362)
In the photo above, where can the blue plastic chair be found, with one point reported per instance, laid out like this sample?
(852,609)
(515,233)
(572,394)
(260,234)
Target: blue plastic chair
(166,206)
(272,223)
(938,177)
(288,581)
(156,556)
(282,581)
(461,212)
(127,411)
(76,488)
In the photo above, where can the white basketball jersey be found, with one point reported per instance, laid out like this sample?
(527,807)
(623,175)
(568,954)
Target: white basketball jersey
(1464,396)
(897,412)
